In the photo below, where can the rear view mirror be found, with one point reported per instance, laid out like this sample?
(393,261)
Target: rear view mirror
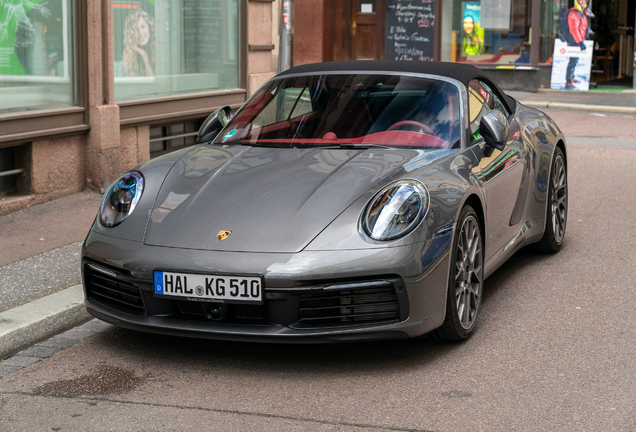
(213,124)
(494,128)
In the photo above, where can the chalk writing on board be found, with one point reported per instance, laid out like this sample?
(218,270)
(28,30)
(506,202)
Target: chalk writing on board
(409,30)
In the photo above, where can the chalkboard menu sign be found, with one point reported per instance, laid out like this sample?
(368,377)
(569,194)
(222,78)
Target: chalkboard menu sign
(409,30)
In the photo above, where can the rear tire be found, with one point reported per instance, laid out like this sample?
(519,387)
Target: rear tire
(466,280)
(557,208)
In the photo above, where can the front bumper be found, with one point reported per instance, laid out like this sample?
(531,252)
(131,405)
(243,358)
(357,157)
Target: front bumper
(375,294)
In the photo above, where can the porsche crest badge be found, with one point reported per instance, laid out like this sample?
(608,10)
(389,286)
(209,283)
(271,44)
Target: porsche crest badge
(223,234)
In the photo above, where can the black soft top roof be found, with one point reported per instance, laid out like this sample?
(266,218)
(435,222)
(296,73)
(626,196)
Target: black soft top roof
(462,72)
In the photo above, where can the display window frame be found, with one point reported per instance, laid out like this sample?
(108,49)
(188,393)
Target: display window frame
(24,126)
(187,106)
(27,125)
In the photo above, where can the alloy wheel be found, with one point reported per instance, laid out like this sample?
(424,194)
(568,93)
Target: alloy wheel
(559,199)
(469,274)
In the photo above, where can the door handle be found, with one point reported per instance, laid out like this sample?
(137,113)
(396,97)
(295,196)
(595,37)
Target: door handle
(354,26)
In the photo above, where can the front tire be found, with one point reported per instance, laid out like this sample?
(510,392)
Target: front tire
(466,280)
(557,212)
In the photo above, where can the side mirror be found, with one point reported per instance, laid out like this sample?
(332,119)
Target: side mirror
(494,128)
(213,124)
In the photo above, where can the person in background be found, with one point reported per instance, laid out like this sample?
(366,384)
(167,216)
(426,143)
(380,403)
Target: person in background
(577,23)
(139,44)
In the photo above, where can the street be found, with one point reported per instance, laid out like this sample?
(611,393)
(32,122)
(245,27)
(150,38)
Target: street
(554,350)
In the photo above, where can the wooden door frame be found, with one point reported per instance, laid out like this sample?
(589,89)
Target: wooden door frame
(328,30)
(329,18)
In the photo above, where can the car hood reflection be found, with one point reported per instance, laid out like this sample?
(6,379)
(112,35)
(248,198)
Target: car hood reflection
(271,199)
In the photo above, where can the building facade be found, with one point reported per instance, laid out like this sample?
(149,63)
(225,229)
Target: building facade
(91,88)
(511,40)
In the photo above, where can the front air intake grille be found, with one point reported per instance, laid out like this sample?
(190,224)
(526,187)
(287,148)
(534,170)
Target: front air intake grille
(375,303)
(103,286)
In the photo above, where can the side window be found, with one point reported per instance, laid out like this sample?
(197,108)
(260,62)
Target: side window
(303,104)
(481,99)
(478,99)
(496,102)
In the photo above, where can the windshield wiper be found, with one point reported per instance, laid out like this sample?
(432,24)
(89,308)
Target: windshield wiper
(256,144)
(344,146)
(362,146)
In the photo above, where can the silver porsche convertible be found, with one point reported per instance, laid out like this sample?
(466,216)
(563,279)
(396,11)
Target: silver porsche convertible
(343,201)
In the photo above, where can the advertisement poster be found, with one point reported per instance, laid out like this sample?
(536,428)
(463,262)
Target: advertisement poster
(572,58)
(33,39)
(472,32)
(571,66)
(190,34)
(134,34)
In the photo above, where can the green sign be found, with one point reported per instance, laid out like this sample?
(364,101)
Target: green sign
(32,37)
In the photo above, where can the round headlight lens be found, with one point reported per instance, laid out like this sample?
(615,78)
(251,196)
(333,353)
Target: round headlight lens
(395,211)
(121,198)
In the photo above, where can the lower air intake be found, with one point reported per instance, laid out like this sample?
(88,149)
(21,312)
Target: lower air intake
(112,291)
(374,303)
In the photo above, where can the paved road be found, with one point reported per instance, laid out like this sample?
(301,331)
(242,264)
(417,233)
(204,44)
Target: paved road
(554,350)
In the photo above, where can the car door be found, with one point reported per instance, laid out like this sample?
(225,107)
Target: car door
(503,172)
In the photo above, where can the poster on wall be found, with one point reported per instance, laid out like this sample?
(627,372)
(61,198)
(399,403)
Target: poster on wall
(33,39)
(472,31)
(134,35)
(171,38)
(410,30)
(571,66)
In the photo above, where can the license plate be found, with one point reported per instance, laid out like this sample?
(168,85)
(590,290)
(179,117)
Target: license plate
(209,287)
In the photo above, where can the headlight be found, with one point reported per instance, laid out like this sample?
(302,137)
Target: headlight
(121,198)
(395,211)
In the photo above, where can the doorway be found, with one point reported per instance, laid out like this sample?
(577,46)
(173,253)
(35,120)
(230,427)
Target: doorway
(353,30)
(613,26)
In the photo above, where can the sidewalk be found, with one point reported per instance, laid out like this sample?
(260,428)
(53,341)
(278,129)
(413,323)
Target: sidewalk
(40,279)
(40,246)
(599,101)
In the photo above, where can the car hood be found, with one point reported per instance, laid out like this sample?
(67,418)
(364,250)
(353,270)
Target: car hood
(271,199)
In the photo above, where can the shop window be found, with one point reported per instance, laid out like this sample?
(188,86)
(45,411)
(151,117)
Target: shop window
(163,48)
(612,28)
(36,60)
(486,31)
(167,138)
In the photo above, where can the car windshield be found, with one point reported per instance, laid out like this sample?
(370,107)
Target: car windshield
(349,111)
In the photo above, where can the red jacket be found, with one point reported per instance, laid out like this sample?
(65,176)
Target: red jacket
(578,25)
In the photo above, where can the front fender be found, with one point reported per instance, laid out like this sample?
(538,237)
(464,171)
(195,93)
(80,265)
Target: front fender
(154,172)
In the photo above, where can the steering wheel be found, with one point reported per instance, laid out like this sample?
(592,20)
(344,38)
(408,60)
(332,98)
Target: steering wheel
(412,123)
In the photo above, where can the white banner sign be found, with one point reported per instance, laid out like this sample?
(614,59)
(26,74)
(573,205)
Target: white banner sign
(495,14)
(571,66)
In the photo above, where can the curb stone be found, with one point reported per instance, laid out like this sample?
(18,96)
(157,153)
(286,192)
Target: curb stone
(24,325)
(579,107)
